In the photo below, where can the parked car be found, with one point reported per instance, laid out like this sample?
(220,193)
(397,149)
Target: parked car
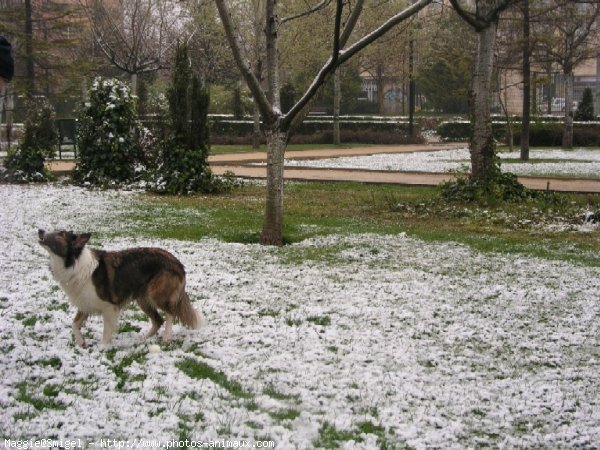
(558,104)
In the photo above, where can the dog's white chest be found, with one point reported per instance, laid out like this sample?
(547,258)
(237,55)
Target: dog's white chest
(77,282)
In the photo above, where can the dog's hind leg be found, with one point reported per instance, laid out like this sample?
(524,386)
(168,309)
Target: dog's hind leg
(111,320)
(155,317)
(78,322)
(168,333)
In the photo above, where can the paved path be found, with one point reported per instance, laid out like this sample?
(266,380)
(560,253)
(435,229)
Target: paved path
(242,165)
(238,158)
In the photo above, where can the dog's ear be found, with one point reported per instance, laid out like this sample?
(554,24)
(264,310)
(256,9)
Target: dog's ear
(81,240)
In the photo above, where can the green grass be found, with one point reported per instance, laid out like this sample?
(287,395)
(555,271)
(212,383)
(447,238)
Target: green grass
(319,320)
(285,414)
(126,327)
(331,437)
(53,362)
(268,312)
(201,371)
(272,392)
(319,209)
(120,369)
(46,401)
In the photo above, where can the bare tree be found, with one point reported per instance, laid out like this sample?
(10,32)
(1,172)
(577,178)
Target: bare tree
(483,16)
(277,125)
(135,36)
(208,44)
(568,30)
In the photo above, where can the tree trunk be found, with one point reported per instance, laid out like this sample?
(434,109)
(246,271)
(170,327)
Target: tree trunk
(597,108)
(256,127)
(509,128)
(526,85)
(380,80)
(411,88)
(272,233)
(3,90)
(550,88)
(272,31)
(482,142)
(9,102)
(568,130)
(29,69)
(337,97)
(134,83)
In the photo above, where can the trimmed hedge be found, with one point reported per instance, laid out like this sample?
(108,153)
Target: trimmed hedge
(540,133)
(224,129)
(230,127)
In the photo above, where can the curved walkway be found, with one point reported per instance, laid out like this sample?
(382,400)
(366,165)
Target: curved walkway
(244,165)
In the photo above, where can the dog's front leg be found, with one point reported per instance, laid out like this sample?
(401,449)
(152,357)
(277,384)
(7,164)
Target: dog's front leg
(111,320)
(78,322)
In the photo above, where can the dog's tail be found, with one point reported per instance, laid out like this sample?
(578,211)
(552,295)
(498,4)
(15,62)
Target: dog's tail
(187,314)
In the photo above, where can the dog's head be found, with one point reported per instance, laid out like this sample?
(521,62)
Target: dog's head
(64,244)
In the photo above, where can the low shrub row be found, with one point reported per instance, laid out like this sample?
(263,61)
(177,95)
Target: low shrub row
(540,133)
(317,131)
(230,127)
(326,137)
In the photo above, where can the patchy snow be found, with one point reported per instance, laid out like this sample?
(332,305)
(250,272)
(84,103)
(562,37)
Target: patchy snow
(435,343)
(575,163)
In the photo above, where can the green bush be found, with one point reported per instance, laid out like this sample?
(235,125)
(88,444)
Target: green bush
(457,131)
(585,109)
(112,142)
(550,134)
(546,133)
(38,143)
(497,187)
(183,162)
(225,130)
(182,171)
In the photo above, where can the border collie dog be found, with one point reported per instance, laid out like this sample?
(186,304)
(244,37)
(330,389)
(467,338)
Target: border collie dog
(104,282)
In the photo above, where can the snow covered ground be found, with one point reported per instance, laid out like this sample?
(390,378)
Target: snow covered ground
(582,163)
(352,341)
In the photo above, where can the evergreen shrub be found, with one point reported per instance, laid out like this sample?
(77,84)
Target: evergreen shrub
(38,143)
(585,110)
(112,142)
(182,165)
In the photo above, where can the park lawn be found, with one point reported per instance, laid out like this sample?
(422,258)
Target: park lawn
(373,328)
(538,228)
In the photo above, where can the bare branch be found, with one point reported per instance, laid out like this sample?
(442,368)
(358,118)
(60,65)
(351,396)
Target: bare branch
(481,19)
(289,120)
(244,66)
(319,6)
(352,21)
(336,30)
